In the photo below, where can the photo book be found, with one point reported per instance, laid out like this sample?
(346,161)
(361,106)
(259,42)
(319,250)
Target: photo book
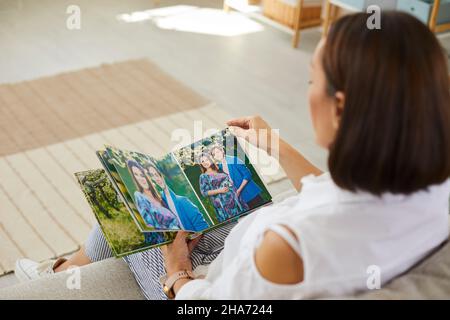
(141,202)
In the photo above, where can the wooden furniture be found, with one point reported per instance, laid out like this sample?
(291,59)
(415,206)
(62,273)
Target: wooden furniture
(296,17)
(333,7)
(434,13)
(294,14)
(332,10)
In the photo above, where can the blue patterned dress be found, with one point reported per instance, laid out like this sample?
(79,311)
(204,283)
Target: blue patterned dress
(157,217)
(227,204)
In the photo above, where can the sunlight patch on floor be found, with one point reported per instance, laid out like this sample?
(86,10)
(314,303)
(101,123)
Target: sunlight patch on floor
(197,20)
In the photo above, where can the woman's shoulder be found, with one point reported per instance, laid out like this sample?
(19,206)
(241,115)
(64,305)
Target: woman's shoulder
(203,177)
(140,198)
(277,261)
(138,195)
(322,180)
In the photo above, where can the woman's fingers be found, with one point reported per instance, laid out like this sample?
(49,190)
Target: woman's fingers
(239,132)
(243,122)
(193,243)
(164,250)
(181,237)
(248,135)
(251,129)
(181,240)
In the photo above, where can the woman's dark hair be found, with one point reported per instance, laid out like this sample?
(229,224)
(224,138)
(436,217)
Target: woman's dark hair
(216,147)
(150,164)
(394,133)
(213,164)
(134,164)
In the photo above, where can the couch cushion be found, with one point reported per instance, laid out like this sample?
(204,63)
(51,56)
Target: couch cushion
(104,280)
(430,279)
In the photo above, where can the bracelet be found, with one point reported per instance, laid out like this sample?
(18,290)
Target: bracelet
(168,283)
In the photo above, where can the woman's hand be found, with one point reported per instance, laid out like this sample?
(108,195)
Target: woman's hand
(239,191)
(224,190)
(292,161)
(249,128)
(177,255)
(218,191)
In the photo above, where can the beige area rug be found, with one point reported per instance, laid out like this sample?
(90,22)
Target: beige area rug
(50,128)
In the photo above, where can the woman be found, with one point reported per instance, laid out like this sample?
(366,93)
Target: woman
(188,214)
(219,188)
(148,201)
(380,103)
(247,190)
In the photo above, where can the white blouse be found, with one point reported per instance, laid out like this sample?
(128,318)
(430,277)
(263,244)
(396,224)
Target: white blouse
(342,235)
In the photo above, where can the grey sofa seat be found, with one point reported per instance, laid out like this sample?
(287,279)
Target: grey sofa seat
(104,280)
(430,279)
(112,279)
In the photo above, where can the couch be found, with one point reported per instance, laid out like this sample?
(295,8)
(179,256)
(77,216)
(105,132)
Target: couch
(112,279)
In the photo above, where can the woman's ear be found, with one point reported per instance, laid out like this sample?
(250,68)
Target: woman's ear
(338,109)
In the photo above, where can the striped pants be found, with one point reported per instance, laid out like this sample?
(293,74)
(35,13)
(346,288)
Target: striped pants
(148,266)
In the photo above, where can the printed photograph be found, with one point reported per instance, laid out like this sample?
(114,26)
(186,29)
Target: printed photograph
(223,177)
(118,226)
(113,175)
(177,192)
(159,191)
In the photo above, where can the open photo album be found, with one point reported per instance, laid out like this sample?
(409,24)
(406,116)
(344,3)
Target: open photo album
(141,202)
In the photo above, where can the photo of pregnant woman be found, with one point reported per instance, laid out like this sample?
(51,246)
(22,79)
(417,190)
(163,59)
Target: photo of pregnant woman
(218,186)
(222,176)
(247,190)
